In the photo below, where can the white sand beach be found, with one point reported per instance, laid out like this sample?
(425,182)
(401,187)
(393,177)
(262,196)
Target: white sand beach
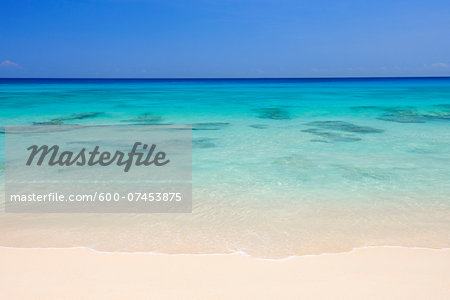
(365,273)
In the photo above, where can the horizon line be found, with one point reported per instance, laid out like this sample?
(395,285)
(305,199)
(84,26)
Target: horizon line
(219,78)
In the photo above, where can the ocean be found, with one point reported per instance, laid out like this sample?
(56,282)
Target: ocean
(281,167)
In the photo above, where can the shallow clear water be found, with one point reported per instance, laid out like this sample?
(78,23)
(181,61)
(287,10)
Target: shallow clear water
(280,167)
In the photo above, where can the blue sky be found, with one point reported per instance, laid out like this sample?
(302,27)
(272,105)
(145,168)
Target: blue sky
(215,38)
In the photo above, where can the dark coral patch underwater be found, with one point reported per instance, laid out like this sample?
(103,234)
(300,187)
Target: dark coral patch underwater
(409,114)
(331,136)
(402,115)
(273,113)
(78,116)
(344,126)
(61,120)
(203,143)
(209,125)
(259,126)
(145,118)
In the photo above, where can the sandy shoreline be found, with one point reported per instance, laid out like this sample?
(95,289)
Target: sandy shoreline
(365,273)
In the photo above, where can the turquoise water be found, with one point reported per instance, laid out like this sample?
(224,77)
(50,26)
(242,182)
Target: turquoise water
(280,167)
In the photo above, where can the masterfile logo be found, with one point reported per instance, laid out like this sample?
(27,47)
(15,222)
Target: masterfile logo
(53,157)
(75,168)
